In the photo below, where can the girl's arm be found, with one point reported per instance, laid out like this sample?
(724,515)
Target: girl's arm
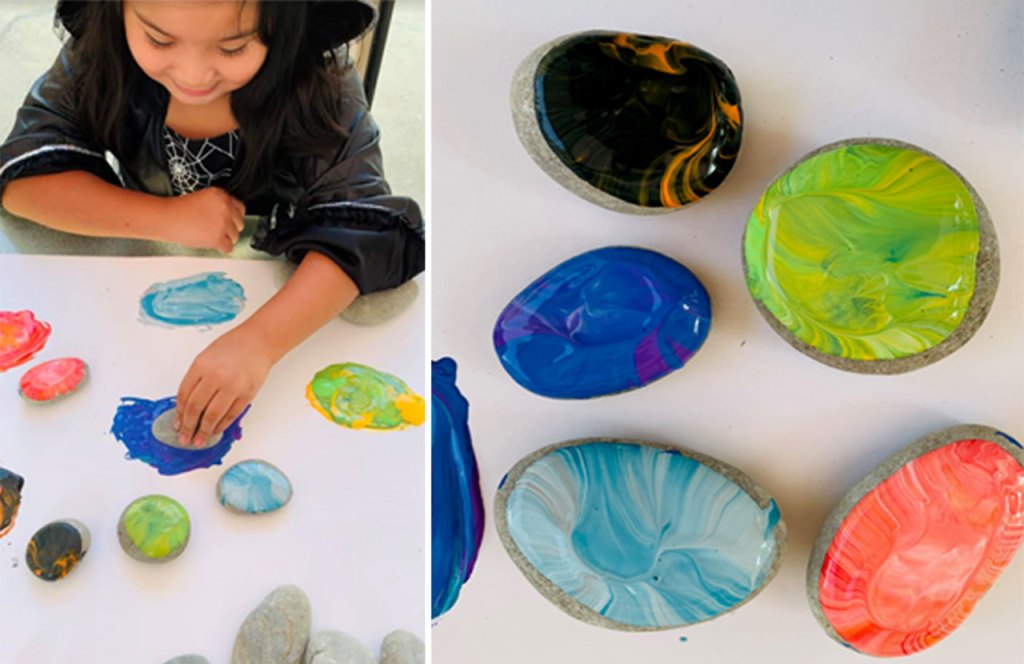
(82,203)
(225,377)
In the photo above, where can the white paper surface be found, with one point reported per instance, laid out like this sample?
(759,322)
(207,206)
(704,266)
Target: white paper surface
(351,537)
(945,75)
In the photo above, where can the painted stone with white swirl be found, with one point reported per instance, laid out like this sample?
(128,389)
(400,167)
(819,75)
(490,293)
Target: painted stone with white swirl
(253,487)
(638,536)
(907,553)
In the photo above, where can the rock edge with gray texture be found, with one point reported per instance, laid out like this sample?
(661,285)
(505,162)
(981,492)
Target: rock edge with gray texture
(879,474)
(163,430)
(523,101)
(334,647)
(188,659)
(276,631)
(402,647)
(563,600)
(986,279)
(380,307)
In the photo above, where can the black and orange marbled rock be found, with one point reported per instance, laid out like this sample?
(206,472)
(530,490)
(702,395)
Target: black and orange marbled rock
(10,499)
(651,121)
(56,549)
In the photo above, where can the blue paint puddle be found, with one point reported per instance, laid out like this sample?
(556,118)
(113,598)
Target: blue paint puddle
(456,506)
(603,322)
(132,427)
(208,298)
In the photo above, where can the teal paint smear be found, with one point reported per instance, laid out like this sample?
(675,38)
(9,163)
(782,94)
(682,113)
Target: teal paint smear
(208,298)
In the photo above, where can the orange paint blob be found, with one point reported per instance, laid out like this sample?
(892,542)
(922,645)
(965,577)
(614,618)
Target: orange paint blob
(914,555)
(21,337)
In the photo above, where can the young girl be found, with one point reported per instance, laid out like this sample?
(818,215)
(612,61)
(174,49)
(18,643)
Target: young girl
(214,110)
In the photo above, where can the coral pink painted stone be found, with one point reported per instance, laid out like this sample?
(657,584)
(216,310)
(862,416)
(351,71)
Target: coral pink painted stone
(914,555)
(52,379)
(21,337)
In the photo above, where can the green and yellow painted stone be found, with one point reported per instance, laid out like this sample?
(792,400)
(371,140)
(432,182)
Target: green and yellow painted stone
(865,251)
(653,122)
(360,397)
(56,548)
(154,529)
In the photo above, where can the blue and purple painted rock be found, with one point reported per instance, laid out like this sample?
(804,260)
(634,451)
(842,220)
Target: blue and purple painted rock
(638,536)
(456,506)
(253,487)
(606,321)
(56,549)
(11,485)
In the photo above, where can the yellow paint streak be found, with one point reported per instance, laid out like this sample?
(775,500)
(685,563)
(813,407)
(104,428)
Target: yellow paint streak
(412,407)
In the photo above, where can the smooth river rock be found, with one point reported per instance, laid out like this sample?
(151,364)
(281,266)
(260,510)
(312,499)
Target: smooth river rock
(334,647)
(402,647)
(276,631)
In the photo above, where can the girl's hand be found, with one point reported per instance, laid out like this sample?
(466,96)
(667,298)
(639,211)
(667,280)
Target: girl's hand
(221,382)
(206,219)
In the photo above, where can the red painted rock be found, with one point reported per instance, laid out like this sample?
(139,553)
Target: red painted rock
(53,379)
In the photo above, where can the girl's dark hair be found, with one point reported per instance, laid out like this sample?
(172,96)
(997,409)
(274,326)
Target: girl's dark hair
(290,108)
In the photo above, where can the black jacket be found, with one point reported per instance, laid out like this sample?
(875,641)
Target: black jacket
(340,206)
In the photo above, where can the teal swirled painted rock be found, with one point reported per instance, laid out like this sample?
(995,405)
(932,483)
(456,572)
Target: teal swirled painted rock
(872,255)
(638,536)
(634,123)
(253,487)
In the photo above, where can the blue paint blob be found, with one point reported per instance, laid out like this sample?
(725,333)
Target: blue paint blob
(682,639)
(457,508)
(133,427)
(643,536)
(254,487)
(603,322)
(202,299)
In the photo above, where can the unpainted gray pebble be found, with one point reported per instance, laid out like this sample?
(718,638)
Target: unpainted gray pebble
(402,647)
(276,631)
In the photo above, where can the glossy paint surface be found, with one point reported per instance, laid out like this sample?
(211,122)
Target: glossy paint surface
(11,485)
(52,379)
(55,550)
(361,397)
(642,535)
(21,337)
(652,121)
(157,526)
(456,506)
(606,321)
(254,487)
(208,298)
(865,251)
(914,555)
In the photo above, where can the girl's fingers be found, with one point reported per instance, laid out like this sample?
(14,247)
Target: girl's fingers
(188,383)
(212,415)
(193,410)
(236,409)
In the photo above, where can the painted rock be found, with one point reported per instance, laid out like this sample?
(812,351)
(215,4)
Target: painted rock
(57,548)
(606,321)
(456,506)
(638,536)
(402,647)
(201,299)
(154,529)
(360,397)
(164,431)
(11,485)
(275,631)
(253,487)
(906,554)
(21,337)
(633,123)
(334,647)
(53,379)
(133,428)
(873,256)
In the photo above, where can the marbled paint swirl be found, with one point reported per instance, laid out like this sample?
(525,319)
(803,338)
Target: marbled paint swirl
(913,556)
(865,251)
(641,535)
(606,321)
(652,121)
(456,506)
(208,298)
(21,337)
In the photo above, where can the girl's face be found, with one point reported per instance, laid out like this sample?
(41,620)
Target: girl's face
(199,51)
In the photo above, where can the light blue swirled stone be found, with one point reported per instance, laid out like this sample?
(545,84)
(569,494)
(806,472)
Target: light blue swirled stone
(642,536)
(253,487)
(208,298)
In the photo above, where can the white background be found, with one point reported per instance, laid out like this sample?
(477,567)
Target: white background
(944,75)
(352,536)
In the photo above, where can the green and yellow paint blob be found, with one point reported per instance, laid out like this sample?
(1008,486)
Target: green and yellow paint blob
(865,251)
(360,397)
(154,529)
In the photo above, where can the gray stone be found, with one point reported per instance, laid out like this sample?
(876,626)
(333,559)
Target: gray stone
(163,430)
(276,631)
(377,308)
(334,647)
(986,279)
(188,659)
(402,647)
